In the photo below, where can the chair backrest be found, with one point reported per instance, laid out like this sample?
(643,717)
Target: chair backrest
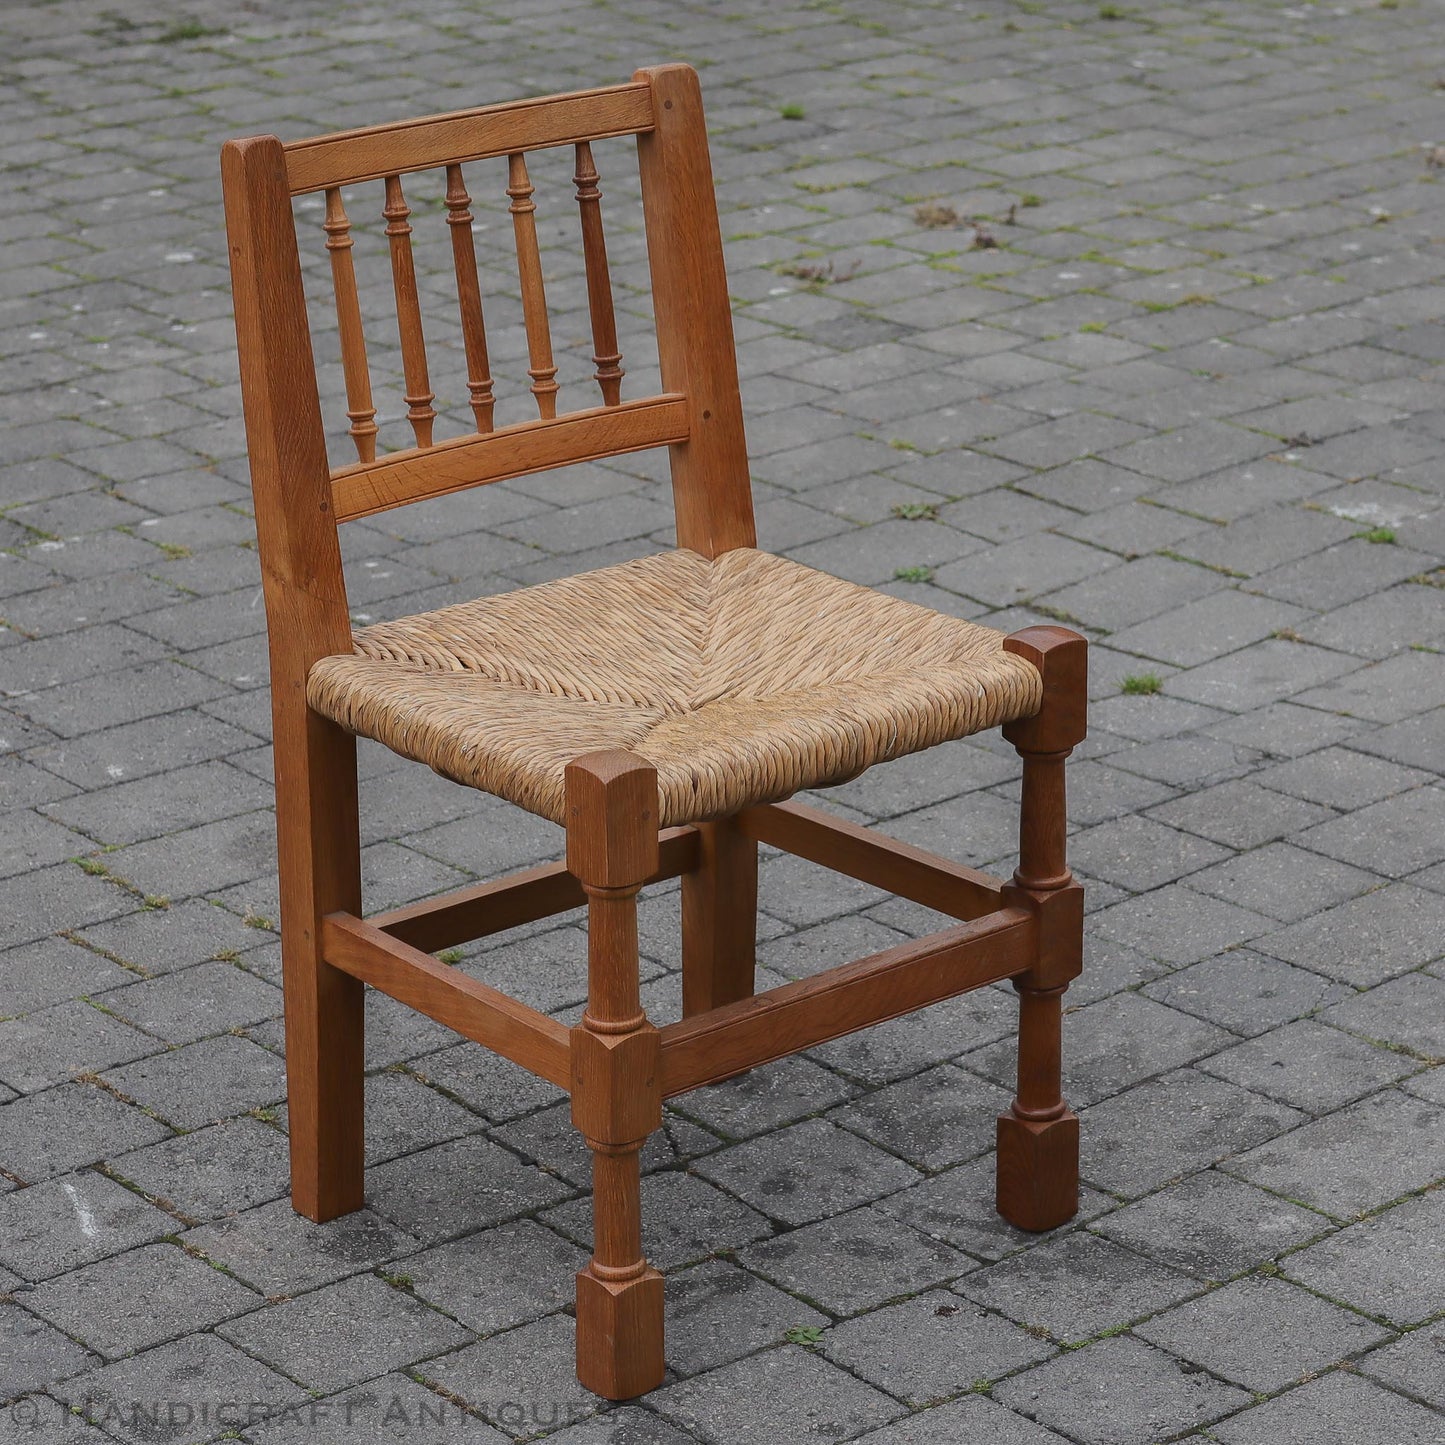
(300,497)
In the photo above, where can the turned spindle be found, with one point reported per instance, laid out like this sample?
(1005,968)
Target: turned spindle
(469,299)
(534,297)
(359,407)
(419,395)
(606,356)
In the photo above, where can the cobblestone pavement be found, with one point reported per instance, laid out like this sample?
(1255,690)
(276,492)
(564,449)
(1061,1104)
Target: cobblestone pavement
(1191,401)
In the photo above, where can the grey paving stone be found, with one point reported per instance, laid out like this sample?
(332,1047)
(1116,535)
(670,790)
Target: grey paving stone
(957,1207)
(1243,991)
(1110,1045)
(1368,939)
(191,1003)
(51,971)
(30,902)
(1309,1065)
(1284,882)
(551,1141)
(789,1393)
(765,1097)
(54,1044)
(39,1420)
(1177,925)
(1341,778)
(930,1347)
(854,1261)
(1221,1331)
(280,1252)
(1259,674)
(161,939)
(1414,743)
(905,1045)
(1140,854)
(1407,1012)
(1076,1287)
(1139,1139)
(717,1313)
(486,1081)
(196,1387)
(1221,623)
(1412,1364)
(1211,1225)
(402,1115)
(212,1172)
(74,1220)
(804,1171)
(458,1186)
(933,1119)
(684,1219)
(1355,1160)
(626,1426)
(35,1355)
(203,1082)
(67,1127)
(1388,1265)
(522,1381)
(1396,836)
(360,1324)
(123,1303)
(1337,1409)
(971,1420)
(498,1278)
(1120,1392)
(1238,813)
(380,1412)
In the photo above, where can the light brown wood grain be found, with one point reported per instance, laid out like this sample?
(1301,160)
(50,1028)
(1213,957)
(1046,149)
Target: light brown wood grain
(419,395)
(347,157)
(605,353)
(469,299)
(711,490)
(948,888)
(317,832)
(488,908)
(840,1000)
(543,370)
(475,1010)
(360,408)
(719,918)
(513,451)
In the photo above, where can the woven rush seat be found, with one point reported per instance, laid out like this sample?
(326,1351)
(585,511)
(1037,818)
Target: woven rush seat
(741,679)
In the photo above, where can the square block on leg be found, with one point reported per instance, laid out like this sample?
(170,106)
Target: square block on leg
(1038,1171)
(619,1334)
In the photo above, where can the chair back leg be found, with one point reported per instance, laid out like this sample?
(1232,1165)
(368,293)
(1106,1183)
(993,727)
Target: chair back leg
(320,873)
(719,919)
(616,1055)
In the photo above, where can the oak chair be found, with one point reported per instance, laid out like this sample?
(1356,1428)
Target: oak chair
(663,711)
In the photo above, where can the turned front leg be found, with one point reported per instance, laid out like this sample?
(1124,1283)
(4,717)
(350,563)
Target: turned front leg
(616,1072)
(1038,1139)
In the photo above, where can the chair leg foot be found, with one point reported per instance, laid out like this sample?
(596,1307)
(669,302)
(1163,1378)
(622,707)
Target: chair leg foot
(619,1334)
(1038,1170)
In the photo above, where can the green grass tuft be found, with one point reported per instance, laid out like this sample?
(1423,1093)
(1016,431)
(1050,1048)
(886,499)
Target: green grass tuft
(1141,684)
(792,111)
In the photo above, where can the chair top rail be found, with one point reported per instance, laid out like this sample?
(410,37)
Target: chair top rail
(348,157)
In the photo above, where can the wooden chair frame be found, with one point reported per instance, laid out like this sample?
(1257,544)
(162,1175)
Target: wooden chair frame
(617,1066)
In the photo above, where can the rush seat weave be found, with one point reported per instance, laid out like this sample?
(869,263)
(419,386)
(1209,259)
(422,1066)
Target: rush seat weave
(741,679)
